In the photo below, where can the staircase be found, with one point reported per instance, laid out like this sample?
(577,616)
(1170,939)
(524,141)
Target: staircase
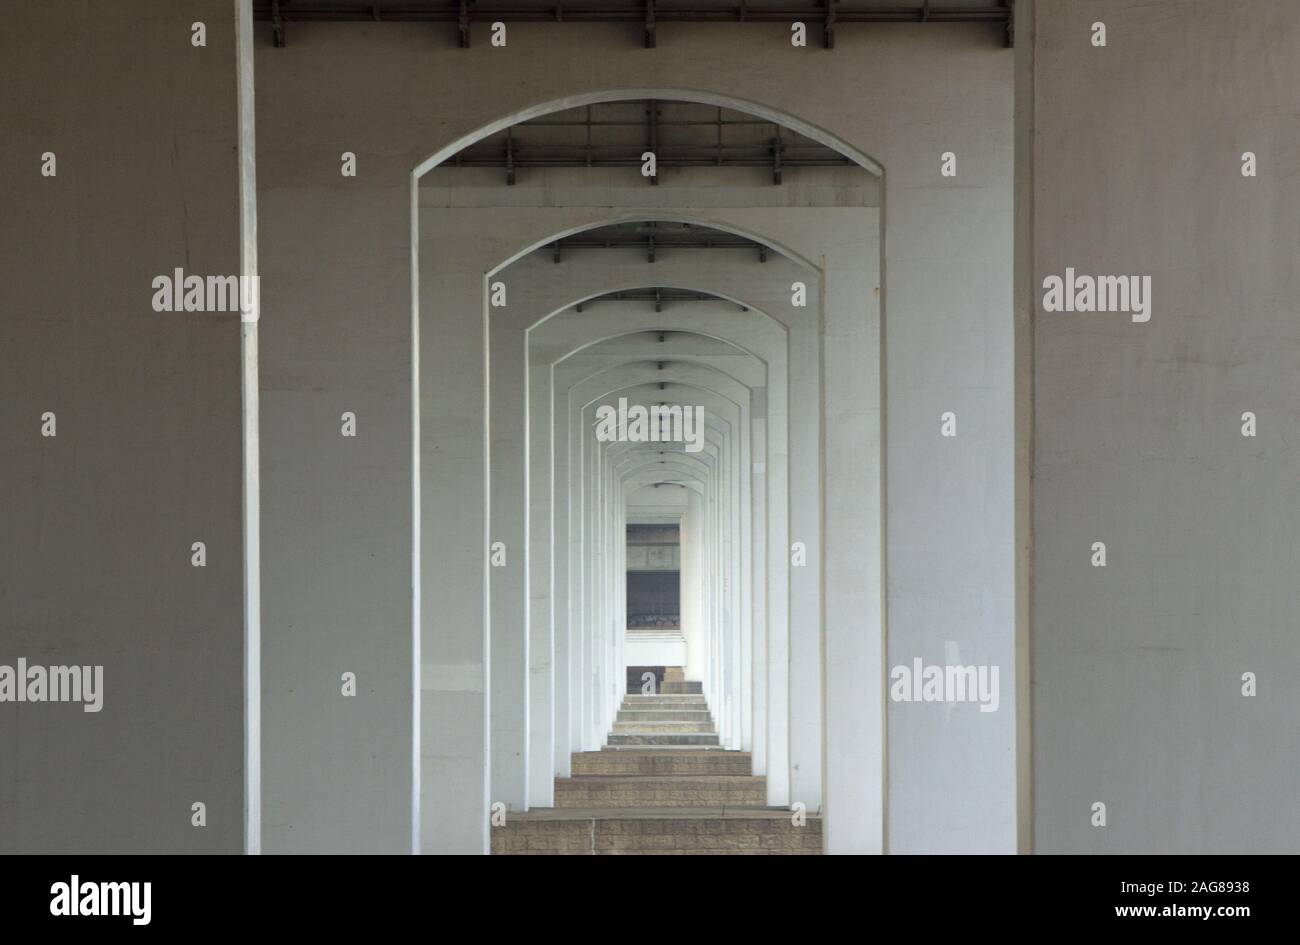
(676,719)
(661,785)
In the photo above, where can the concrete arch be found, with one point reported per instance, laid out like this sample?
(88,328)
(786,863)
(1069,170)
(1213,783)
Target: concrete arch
(701,96)
(774,355)
(563,351)
(633,465)
(537,781)
(664,321)
(810,650)
(502,513)
(719,402)
(675,321)
(681,361)
(699,218)
(684,288)
(695,374)
(720,643)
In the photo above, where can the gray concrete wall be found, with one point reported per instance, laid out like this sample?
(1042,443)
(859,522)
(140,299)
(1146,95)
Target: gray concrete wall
(98,521)
(1137,666)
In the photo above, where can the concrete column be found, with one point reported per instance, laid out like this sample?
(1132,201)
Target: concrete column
(548,584)
(454,637)
(854,602)
(692,588)
(512,672)
(759,567)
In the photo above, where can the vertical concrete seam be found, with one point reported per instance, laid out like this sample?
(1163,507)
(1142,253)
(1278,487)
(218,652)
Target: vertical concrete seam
(486,544)
(883,525)
(247,151)
(1023,304)
(416,602)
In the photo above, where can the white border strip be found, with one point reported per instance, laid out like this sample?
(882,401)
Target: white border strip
(416,672)
(252,522)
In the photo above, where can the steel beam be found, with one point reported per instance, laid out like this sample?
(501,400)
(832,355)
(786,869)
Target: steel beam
(277,24)
(659,297)
(649,13)
(510,158)
(659,244)
(652,116)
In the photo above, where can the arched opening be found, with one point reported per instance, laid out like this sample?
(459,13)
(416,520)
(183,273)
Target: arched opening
(601,300)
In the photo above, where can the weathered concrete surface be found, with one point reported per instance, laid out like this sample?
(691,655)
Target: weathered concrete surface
(98,521)
(1138,666)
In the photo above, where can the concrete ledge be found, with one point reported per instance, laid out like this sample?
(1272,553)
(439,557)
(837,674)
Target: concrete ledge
(651,791)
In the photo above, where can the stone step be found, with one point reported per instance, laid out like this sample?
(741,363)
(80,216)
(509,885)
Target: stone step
(661,760)
(663,738)
(701,708)
(664,715)
(685,700)
(613,831)
(688,686)
(652,728)
(707,790)
(657,747)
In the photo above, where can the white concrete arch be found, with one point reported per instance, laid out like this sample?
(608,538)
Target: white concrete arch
(699,330)
(681,373)
(701,96)
(623,456)
(691,366)
(727,423)
(698,217)
(562,415)
(650,478)
(772,352)
(721,431)
(635,472)
(727,687)
(844,273)
(723,415)
(522,763)
(716,466)
(713,649)
(529,757)
(741,334)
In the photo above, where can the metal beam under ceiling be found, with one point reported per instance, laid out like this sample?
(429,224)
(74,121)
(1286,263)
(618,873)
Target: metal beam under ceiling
(516,147)
(659,296)
(830,14)
(652,241)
